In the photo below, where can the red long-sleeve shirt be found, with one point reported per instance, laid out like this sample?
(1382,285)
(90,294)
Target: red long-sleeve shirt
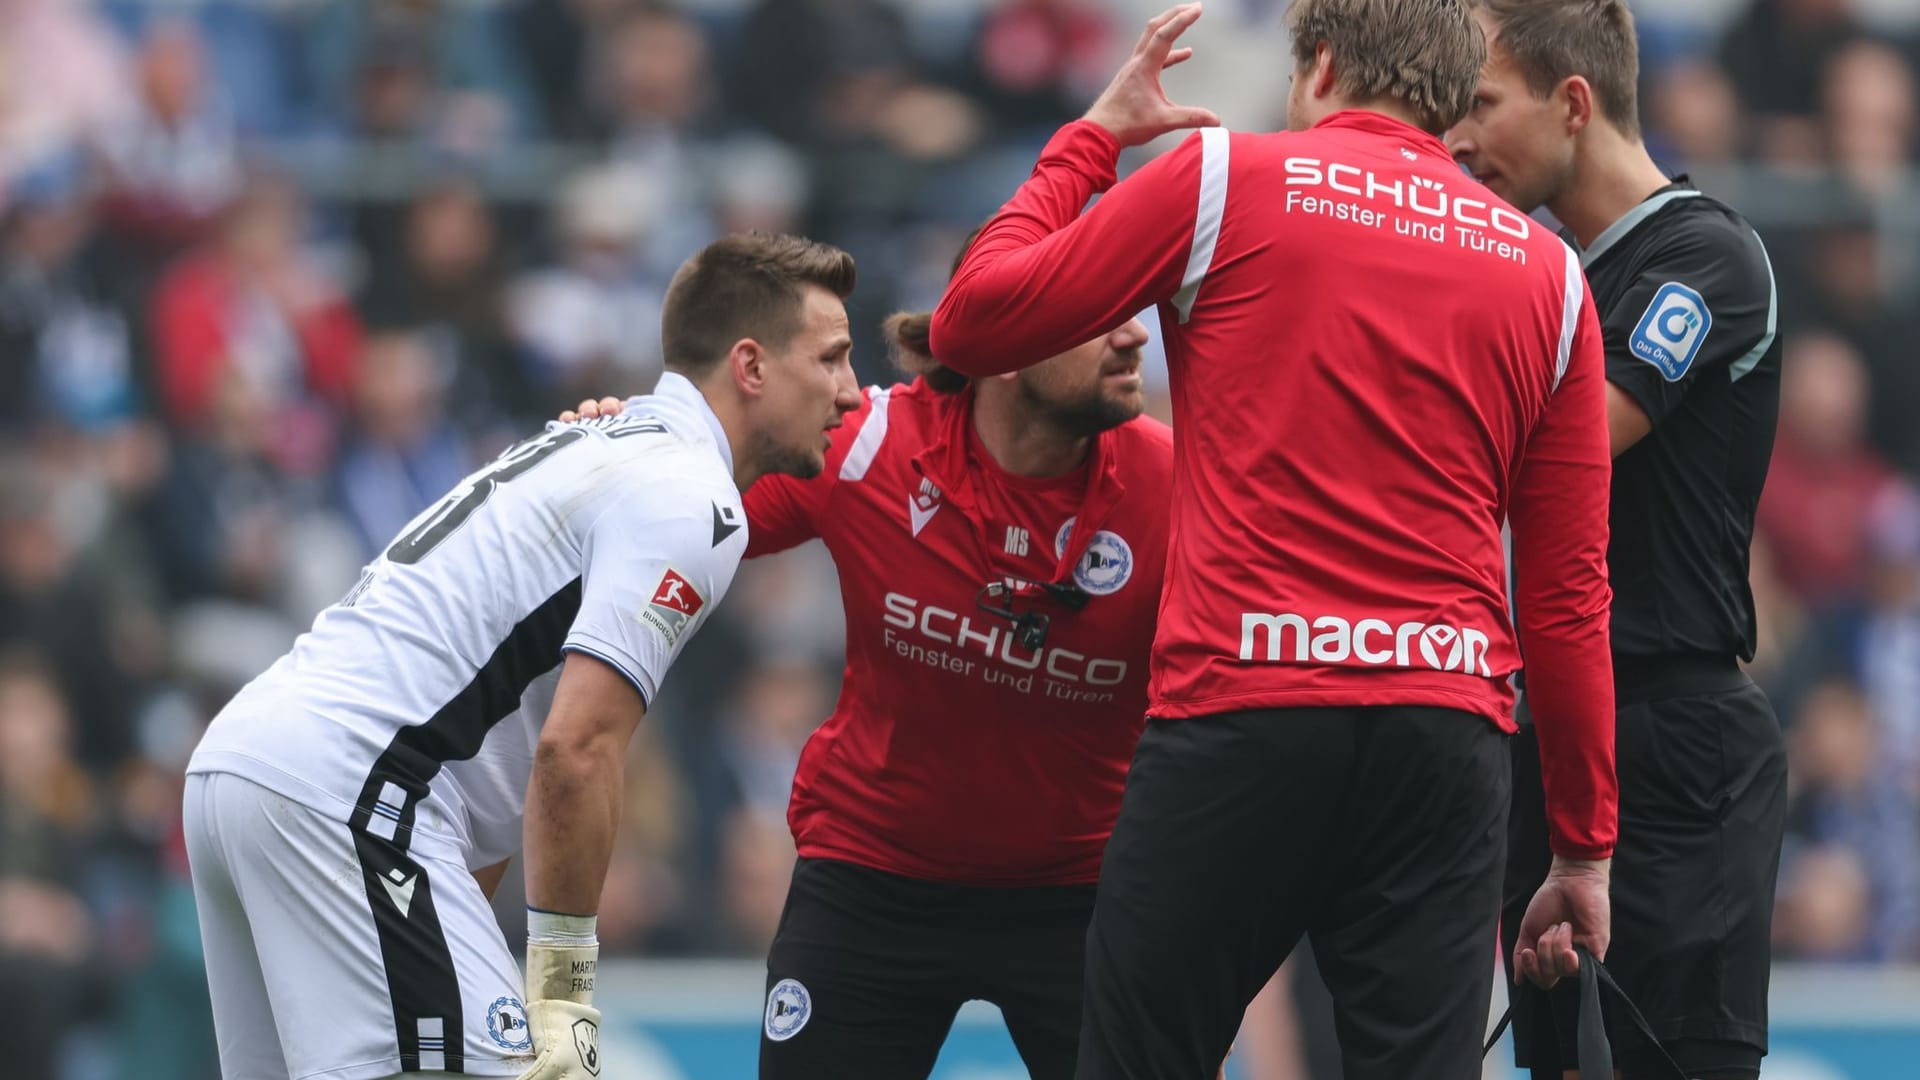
(1374,362)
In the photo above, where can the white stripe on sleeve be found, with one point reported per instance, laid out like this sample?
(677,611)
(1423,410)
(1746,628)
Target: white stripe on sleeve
(1206,223)
(1574,296)
(866,445)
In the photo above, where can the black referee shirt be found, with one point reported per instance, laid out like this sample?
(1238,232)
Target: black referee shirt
(1690,314)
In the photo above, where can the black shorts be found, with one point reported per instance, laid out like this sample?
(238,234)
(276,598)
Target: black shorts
(868,969)
(1703,796)
(1379,833)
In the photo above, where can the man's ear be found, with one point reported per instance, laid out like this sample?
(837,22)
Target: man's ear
(1577,93)
(1324,75)
(747,362)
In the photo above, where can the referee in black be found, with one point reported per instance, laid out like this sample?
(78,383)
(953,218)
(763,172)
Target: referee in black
(1689,314)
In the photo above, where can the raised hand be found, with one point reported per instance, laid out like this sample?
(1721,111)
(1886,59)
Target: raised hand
(1134,107)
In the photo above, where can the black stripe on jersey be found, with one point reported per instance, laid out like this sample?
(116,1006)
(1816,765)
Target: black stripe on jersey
(455,733)
(413,949)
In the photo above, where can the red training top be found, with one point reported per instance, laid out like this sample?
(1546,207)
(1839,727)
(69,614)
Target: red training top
(956,752)
(1375,362)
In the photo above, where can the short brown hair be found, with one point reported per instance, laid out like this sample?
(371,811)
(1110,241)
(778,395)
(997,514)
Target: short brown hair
(747,285)
(1425,54)
(1550,41)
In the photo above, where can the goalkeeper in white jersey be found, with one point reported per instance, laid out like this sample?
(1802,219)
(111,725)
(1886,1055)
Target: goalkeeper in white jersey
(349,811)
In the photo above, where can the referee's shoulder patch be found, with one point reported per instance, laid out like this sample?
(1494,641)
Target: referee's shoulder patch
(1671,332)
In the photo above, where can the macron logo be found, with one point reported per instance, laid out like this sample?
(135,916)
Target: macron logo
(399,886)
(1330,639)
(922,507)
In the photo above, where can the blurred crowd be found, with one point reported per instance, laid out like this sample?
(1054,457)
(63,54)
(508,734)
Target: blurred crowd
(274,274)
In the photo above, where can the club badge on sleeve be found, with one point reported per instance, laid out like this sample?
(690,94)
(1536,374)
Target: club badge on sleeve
(1671,332)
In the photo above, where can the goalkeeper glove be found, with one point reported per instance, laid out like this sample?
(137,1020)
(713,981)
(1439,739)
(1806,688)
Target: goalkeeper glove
(562,954)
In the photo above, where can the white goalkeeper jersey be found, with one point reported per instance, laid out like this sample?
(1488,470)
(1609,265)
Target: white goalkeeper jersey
(412,707)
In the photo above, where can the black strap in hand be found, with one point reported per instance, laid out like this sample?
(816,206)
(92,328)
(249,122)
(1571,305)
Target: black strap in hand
(1595,1052)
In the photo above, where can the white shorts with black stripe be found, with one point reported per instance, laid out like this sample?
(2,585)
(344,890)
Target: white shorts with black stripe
(340,955)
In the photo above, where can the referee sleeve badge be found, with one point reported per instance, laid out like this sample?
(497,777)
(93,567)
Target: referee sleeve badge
(1671,332)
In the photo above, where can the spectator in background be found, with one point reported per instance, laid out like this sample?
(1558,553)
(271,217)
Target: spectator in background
(438,71)
(392,95)
(174,161)
(63,81)
(1823,476)
(48,973)
(655,88)
(756,184)
(592,320)
(1824,911)
(443,276)
(795,58)
(1889,652)
(401,452)
(249,52)
(1834,276)
(1775,55)
(1852,855)
(253,305)
(557,46)
(66,352)
(842,73)
(1870,116)
(1036,64)
(51,602)
(244,546)
(655,106)
(1694,121)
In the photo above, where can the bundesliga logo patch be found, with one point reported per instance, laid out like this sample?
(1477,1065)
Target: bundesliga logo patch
(675,602)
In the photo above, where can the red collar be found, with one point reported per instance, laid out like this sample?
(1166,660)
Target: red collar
(1374,123)
(948,461)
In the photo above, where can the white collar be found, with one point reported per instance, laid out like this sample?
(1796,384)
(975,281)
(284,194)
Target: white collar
(678,388)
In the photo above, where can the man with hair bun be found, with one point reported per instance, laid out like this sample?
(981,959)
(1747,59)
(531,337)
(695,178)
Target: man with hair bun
(1000,543)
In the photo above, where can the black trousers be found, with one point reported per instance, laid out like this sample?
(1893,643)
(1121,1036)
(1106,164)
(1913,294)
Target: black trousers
(1377,832)
(868,969)
(1703,799)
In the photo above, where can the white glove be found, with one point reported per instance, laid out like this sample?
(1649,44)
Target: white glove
(560,1014)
